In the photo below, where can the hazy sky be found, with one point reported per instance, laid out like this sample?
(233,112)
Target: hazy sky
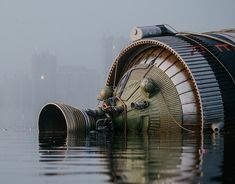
(73,29)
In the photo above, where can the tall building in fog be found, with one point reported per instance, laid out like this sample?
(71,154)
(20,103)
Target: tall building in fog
(43,79)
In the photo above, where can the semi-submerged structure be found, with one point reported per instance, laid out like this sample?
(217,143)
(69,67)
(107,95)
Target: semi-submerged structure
(163,81)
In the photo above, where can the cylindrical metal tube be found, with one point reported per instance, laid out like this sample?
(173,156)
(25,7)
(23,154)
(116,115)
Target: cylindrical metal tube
(138,33)
(58,117)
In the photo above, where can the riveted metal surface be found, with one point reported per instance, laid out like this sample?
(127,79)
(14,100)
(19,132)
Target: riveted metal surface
(223,66)
(164,105)
(205,86)
(191,73)
(73,119)
(170,63)
(166,100)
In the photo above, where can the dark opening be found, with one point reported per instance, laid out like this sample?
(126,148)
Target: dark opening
(51,119)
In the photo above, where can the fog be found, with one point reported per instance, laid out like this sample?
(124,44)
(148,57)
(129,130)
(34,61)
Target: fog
(61,50)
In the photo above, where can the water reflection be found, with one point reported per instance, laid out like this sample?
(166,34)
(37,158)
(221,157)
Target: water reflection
(225,146)
(165,158)
(80,158)
(106,158)
(102,158)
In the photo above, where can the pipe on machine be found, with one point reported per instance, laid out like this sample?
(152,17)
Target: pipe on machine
(164,80)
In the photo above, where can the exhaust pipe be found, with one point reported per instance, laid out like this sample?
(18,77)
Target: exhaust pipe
(58,117)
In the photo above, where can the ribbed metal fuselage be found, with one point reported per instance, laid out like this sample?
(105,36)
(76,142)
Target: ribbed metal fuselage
(201,67)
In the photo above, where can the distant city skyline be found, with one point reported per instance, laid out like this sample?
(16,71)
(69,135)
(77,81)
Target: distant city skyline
(22,96)
(72,30)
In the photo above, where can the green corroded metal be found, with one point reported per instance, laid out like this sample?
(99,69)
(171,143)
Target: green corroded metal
(105,93)
(164,102)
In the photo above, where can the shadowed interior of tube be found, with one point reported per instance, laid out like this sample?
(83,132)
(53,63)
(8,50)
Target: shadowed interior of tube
(51,119)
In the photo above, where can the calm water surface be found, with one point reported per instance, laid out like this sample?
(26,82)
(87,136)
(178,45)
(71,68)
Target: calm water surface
(26,157)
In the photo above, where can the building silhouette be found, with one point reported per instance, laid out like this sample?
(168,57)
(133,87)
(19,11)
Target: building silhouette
(43,80)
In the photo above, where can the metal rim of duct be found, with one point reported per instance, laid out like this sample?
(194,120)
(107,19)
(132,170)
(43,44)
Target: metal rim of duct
(75,119)
(153,43)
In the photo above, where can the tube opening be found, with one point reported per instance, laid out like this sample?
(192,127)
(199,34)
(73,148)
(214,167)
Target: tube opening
(52,119)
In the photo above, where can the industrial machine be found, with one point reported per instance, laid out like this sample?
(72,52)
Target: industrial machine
(163,81)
